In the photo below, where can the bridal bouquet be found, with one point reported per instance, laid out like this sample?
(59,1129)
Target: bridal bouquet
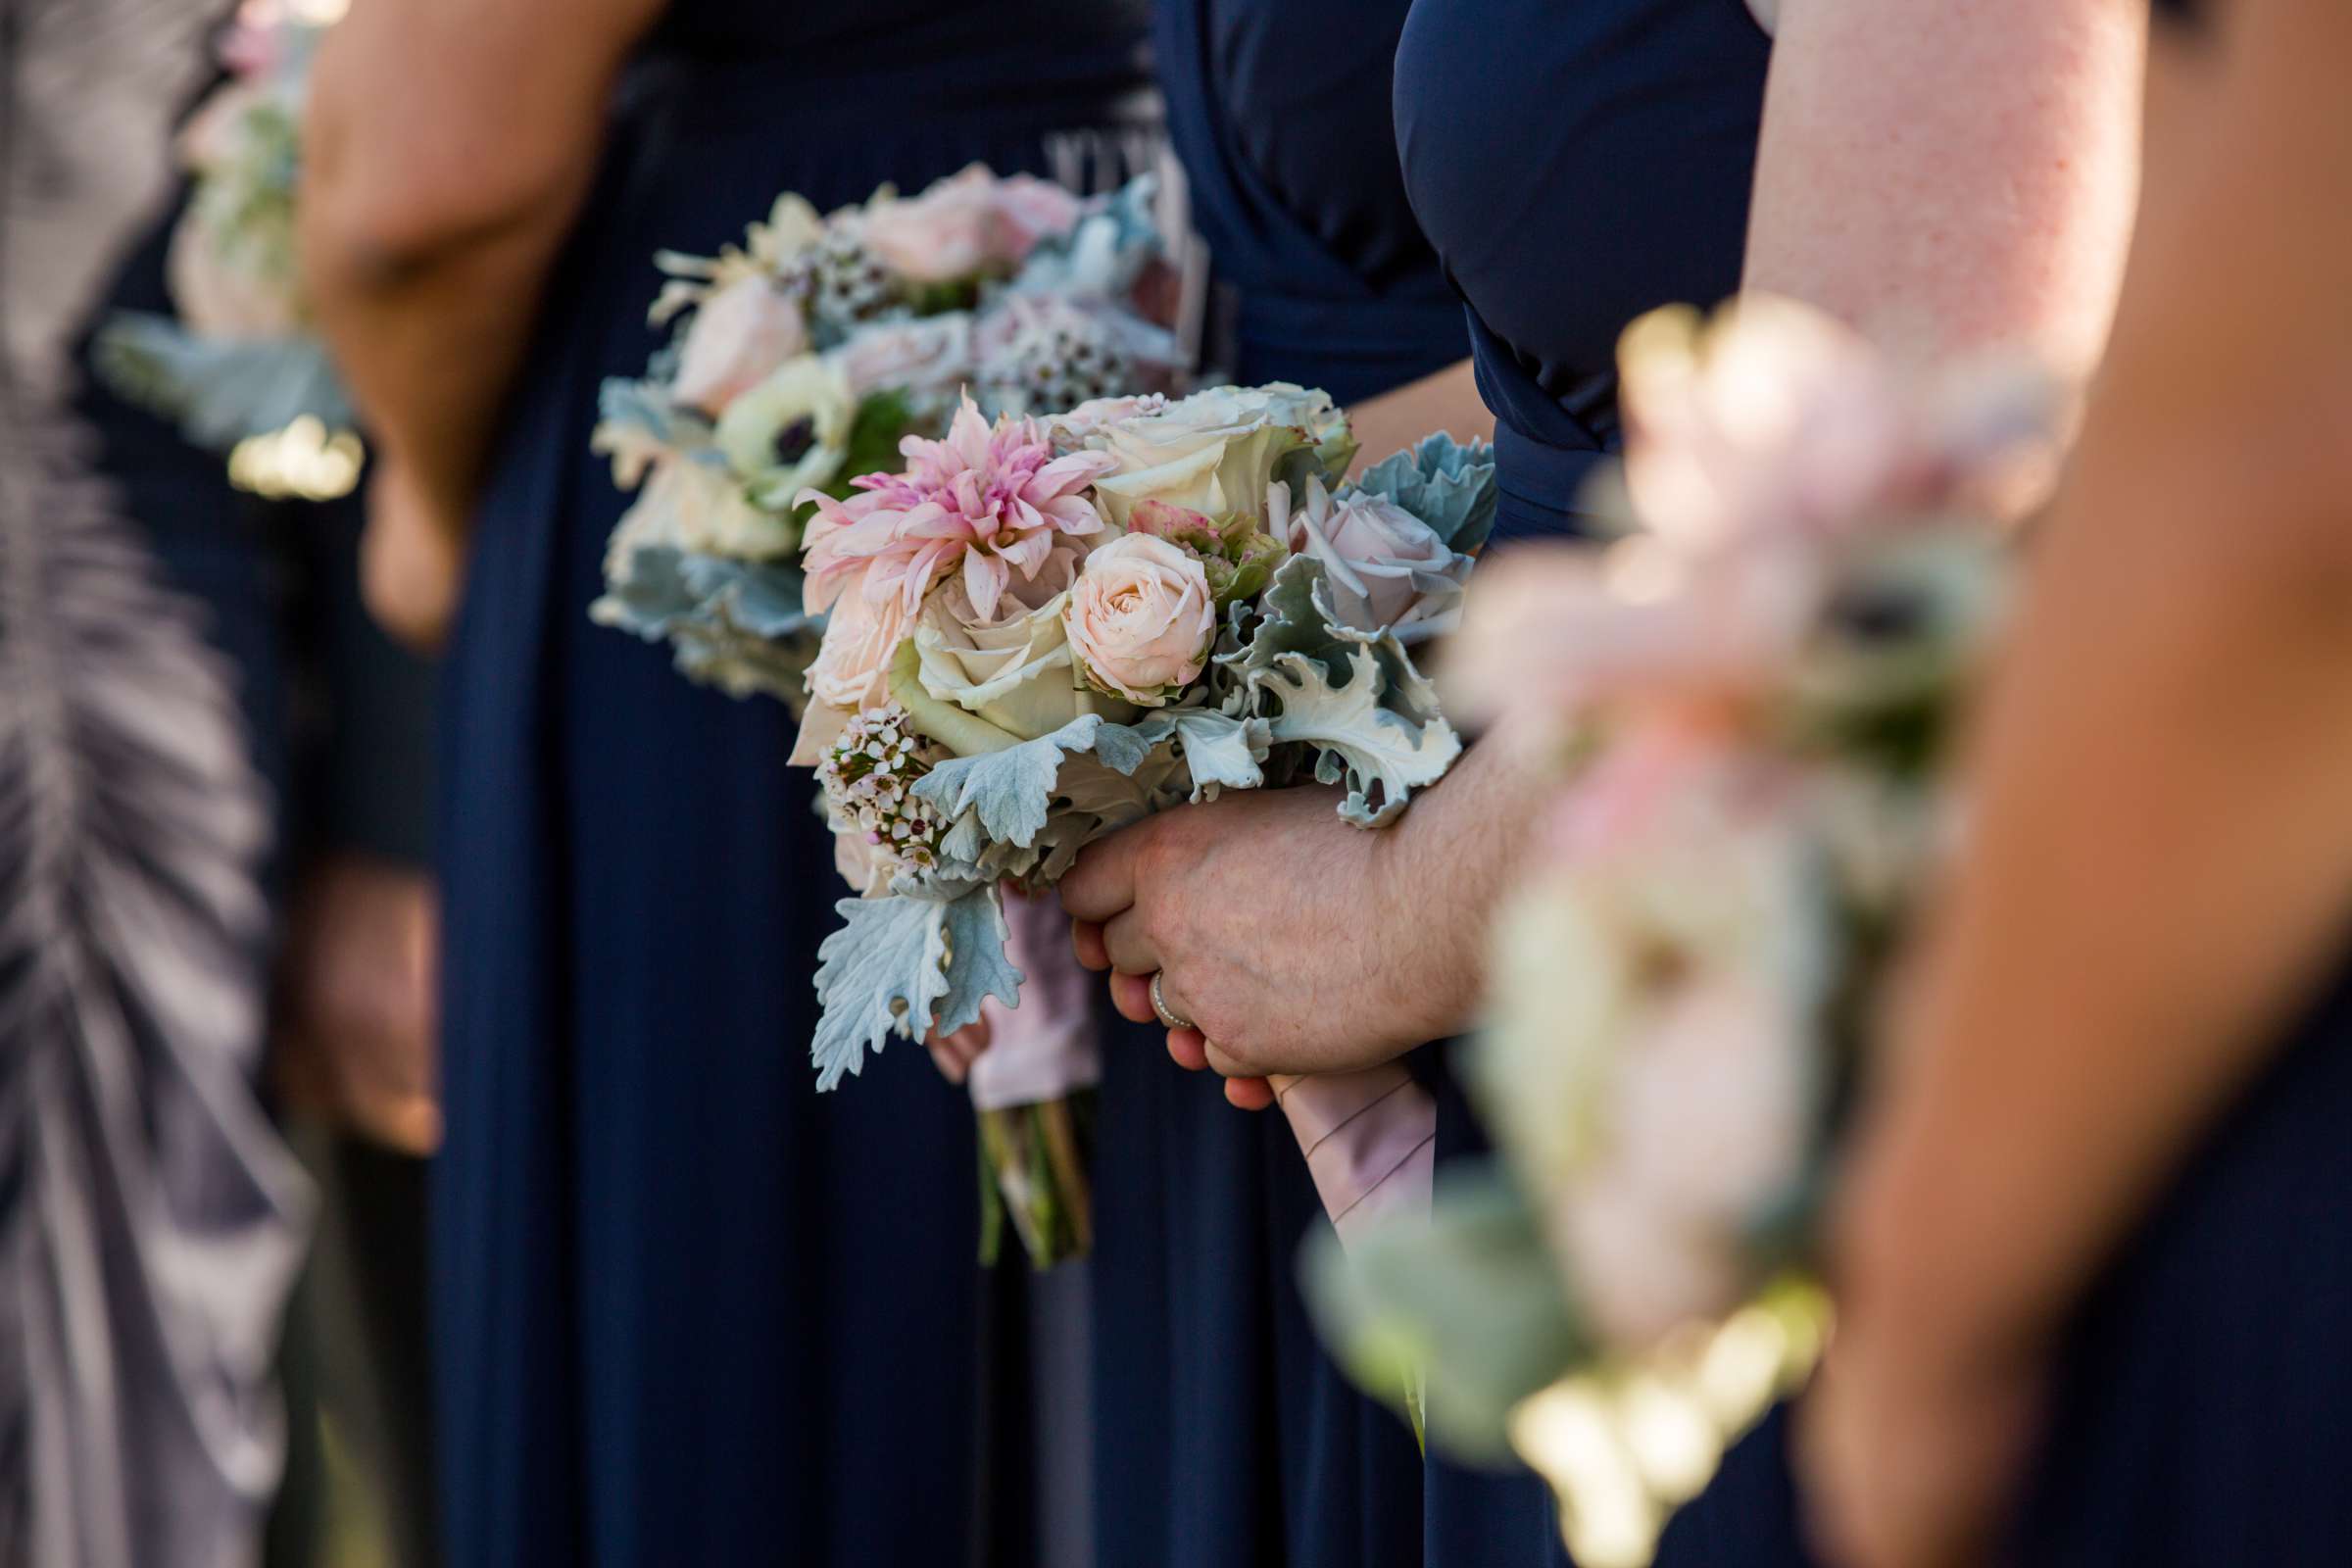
(1748,690)
(1042,629)
(240,362)
(805,356)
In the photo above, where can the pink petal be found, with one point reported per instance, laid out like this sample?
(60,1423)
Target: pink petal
(984,580)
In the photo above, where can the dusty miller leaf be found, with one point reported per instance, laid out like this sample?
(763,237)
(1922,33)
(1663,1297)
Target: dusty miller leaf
(1381,756)
(1011,791)
(899,962)
(735,624)
(220,390)
(1448,485)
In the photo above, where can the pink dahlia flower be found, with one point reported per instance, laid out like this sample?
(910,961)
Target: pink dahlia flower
(992,499)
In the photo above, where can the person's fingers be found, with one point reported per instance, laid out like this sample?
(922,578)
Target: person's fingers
(1131,950)
(410,1124)
(1249,1094)
(1131,996)
(951,1065)
(1086,937)
(1189,1049)
(1102,882)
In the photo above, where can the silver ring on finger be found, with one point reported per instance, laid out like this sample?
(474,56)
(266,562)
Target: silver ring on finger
(1159,1005)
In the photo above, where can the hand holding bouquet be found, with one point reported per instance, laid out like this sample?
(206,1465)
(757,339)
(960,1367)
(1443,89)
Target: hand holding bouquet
(1044,629)
(1749,690)
(805,356)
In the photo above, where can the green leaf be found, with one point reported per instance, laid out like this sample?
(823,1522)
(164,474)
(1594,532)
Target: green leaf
(1448,485)
(1468,1299)
(1381,756)
(899,963)
(884,419)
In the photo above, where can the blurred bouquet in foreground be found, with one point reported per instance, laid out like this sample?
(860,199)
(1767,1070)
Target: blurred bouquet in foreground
(804,357)
(1750,689)
(240,362)
(1044,629)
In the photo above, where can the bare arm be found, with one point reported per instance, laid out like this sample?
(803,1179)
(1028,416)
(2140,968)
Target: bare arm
(1946,175)
(2163,860)
(1447,400)
(449,145)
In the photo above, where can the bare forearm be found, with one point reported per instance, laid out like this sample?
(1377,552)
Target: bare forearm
(1946,176)
(1446,869)
(2162,861)
(431,349)
(1447,401)
(448,146)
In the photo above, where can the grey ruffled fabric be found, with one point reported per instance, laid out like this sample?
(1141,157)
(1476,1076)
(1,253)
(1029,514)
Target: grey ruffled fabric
(150,1222)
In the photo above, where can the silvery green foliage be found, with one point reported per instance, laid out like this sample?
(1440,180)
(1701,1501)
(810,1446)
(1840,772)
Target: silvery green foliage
(638,415)
(899,962)
(734,624)
(1103,253)
(1220,752)
(1381,754)
(1007,792)
(1354,698)
(1465,1302)
(219,391)
(1448,485)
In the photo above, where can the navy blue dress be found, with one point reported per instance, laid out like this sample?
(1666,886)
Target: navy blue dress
(1575,165)
(1224,1437)
(689,1311)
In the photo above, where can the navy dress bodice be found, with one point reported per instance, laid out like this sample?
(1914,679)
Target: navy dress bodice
(1576,166)
(687,1310)
(1224,1437)
(1281,113)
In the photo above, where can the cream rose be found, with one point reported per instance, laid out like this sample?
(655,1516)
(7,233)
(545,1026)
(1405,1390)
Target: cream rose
(1217,452)
(1016,670)
(741,334)
(688,504)
(1386,566)
(1141,617)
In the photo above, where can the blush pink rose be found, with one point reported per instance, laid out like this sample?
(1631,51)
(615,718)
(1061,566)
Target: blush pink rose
(1385,565)
(740,334)
(966,224)
(922,358)
(863,632)
(1141,619)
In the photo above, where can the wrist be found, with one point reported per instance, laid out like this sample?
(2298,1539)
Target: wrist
(1434,960)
